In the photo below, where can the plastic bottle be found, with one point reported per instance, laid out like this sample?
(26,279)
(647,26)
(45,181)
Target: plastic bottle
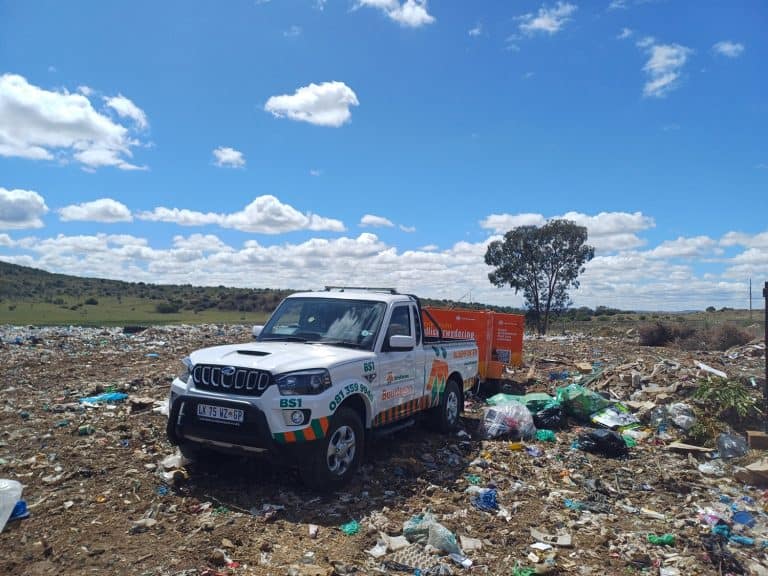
(10,492)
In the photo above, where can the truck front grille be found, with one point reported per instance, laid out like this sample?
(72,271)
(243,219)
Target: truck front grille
(231,380)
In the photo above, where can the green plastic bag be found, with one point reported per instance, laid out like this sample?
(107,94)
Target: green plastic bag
(499,399)
(543,435)
(536,401)
(350,528)
(663,540)
(580,402)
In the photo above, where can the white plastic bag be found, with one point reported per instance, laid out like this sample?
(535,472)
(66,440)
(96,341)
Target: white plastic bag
(512,420)
(10,492)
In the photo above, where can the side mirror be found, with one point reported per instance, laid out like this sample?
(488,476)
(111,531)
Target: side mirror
(257,330)
(401,342)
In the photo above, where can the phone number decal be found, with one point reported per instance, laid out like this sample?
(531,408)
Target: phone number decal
(348,390)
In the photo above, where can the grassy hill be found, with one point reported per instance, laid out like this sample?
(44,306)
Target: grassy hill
(36,297)
(32,296)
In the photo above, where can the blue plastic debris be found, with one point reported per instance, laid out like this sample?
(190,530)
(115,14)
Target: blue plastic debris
(486,500)
(105,397)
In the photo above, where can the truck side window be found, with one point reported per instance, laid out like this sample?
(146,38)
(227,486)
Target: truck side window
(417,324)
(400,322)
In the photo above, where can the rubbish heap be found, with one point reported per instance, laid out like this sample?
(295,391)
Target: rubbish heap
(592,469)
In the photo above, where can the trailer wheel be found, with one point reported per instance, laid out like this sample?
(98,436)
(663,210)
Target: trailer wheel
(335,458)
(446,414)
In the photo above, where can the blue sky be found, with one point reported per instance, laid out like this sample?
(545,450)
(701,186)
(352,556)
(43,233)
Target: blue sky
(299,143)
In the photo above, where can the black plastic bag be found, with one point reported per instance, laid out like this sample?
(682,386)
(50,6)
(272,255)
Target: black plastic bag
(720,556)
(604,442)
(550,418)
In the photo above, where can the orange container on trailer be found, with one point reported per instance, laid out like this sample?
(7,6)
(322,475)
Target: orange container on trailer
(499,336)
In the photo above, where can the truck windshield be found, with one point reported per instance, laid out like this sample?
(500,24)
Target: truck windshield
(352,323)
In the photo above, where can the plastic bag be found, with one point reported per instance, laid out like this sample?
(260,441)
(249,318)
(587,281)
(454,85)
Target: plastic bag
(731,446)
(604,442)
(501,399)
(424,529)
(511,420)
(550,417)
(681,415)
(580,402)
(615,416)
(10,492)
(536,401)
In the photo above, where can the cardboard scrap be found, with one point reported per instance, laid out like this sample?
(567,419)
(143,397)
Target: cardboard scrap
(755,474)
(584,367)
(563,540)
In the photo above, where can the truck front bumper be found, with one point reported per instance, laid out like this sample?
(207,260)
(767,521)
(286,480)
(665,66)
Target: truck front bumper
(250,435)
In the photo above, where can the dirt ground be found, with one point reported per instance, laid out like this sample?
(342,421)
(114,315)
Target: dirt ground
(102,502)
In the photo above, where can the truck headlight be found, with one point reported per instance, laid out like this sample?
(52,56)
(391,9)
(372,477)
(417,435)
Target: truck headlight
(303,382)
(186,372)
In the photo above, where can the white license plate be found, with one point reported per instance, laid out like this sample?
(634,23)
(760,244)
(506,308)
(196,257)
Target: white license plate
(220,413)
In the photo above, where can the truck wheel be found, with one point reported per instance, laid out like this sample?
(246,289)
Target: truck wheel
(446,415)
(335,458)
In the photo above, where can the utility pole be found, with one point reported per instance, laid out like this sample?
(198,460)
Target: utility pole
(765,384)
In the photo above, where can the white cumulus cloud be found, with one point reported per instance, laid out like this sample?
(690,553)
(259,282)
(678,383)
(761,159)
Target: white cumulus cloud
(409,13)
(102,210)
(663,68)
(624,34)
(548,19)
(21,209)
(228,157)
(501,223)
(127,109)
(728,48)
(375,221)
(325,104)
(41,124)
(265,215)
(696,246)
(477,30)
(607,231)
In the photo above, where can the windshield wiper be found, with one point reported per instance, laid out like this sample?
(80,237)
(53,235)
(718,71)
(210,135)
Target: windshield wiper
(346,343)
(285,338)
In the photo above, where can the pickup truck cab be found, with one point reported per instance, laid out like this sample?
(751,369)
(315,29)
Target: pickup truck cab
(327,371)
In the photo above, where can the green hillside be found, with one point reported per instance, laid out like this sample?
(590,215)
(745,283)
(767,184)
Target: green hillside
(32,296)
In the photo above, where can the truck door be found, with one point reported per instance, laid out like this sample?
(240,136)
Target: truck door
(398,386)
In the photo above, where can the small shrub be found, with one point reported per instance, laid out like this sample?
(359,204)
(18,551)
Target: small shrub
(166,308)
(92,302)
(726,336)
(657,334)
(711,309)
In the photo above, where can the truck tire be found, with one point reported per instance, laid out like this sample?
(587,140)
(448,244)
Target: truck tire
(446,414)
(335,458)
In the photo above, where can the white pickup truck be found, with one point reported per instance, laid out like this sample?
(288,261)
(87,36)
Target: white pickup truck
(327,371)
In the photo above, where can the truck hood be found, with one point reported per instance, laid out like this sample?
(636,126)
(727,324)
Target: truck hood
(279,357)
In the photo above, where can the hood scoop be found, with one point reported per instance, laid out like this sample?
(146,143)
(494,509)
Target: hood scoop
(253,353)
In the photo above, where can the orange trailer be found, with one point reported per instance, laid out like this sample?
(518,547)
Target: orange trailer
(499,336)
